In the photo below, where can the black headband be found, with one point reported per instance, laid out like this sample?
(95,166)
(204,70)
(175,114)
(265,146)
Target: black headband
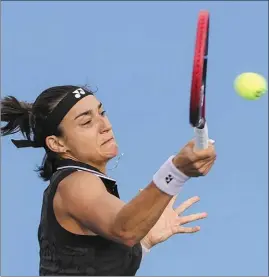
(55,117)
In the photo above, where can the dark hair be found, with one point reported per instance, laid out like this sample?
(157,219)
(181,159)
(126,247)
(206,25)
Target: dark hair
(29,118)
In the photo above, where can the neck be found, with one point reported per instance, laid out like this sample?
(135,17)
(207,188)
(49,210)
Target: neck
(100,166)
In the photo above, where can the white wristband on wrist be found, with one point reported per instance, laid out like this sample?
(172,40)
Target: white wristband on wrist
(169,179)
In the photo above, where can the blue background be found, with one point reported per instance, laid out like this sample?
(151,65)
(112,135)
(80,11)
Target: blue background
(139,56)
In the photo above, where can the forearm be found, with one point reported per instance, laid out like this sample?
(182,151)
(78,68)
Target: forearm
(136,218)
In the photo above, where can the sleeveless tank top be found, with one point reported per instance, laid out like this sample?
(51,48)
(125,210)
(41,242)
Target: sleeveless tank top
(63,253)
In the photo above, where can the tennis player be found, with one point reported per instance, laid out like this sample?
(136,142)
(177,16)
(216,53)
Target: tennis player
(85,229)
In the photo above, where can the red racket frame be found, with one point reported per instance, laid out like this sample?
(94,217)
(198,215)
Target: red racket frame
(197,100)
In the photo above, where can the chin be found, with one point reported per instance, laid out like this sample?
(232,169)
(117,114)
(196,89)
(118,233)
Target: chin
(112,152)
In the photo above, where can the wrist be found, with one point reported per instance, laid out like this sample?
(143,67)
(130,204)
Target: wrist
(145,247)
(169,178)
(146,243)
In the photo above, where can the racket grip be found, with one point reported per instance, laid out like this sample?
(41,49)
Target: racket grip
(201,138)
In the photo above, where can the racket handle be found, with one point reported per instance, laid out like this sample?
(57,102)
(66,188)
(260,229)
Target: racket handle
(201,138)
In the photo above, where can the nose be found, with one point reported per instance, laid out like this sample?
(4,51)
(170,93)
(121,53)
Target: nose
(105,125)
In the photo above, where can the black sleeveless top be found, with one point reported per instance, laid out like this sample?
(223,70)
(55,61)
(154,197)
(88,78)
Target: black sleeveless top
(64,253)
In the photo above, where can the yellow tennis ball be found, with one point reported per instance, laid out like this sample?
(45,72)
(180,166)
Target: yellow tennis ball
(250,86)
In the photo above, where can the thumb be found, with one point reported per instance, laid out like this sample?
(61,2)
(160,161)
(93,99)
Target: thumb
(191,143)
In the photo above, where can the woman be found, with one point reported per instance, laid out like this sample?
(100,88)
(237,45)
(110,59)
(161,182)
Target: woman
(85,229)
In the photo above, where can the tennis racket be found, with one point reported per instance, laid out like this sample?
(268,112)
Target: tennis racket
(198,84)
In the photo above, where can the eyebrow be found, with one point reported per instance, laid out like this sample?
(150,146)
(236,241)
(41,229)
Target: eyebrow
(88,112)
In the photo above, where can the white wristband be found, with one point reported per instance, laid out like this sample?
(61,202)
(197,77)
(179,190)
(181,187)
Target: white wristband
(145,250)
(169,179)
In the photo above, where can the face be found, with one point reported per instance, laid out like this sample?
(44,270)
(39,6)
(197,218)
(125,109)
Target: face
(88,135)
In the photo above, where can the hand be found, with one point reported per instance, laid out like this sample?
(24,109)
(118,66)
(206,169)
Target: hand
(171,222)
(195,163)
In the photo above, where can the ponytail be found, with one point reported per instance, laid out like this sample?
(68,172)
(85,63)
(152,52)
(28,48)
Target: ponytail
(19,118)
(29,119)
(17,115)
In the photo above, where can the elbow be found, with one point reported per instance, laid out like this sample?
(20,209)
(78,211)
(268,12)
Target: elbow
(128,238)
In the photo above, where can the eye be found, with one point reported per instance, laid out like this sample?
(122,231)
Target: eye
(86,123)
(103,113)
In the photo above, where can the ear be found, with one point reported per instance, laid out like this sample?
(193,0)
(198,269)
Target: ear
(56,144)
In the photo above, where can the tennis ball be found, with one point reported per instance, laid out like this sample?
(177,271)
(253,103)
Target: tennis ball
(250,86)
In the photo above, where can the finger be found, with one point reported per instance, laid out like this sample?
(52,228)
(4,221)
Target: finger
(186,204)
(191,143)
(208,168)
(200,167)
(200,164)
(205,153)
(187,230)
(204,169)
(190,218)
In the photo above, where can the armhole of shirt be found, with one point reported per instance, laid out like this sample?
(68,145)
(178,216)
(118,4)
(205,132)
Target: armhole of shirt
(61,235)
(63,238)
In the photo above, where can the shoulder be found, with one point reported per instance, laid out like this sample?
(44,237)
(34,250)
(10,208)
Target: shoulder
(81,182)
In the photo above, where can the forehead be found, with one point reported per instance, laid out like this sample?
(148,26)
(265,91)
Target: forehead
(89,102)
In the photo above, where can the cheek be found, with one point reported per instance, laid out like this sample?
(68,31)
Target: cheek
(83,140)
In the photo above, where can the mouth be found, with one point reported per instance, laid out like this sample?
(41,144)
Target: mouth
(108,140)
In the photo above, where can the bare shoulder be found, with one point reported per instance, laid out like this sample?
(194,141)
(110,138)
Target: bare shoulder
(83,197)
(80,183)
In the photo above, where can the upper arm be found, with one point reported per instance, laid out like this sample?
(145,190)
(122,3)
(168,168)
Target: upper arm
(85,198)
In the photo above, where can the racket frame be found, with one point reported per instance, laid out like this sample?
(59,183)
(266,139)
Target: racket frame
(198,84)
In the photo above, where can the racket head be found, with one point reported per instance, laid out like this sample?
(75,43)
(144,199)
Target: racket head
(199,72)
